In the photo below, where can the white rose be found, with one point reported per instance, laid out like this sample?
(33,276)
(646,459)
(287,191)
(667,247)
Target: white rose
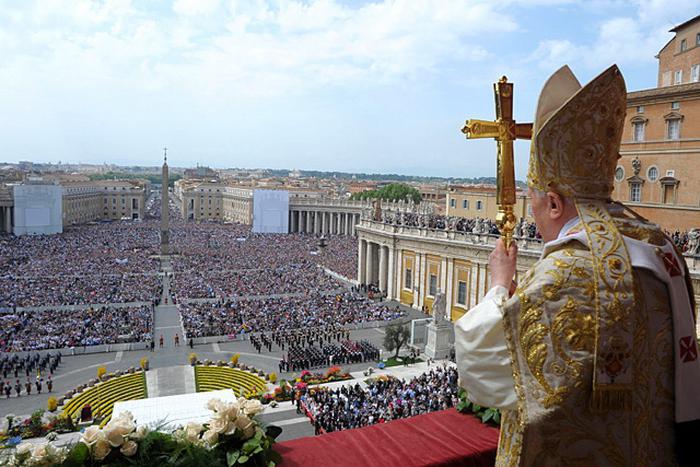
(216,405)
(252,407)
(115,436)
(210,437)
(246,425)
(140,433)
(39,451)
(24,449)
(193,429)
(126,417)
(121,425)
(231,411)
(57,454)
(129,448)
(92,434)
(101,449)
(219,425)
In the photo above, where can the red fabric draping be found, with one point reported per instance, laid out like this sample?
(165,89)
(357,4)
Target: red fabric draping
(445,438)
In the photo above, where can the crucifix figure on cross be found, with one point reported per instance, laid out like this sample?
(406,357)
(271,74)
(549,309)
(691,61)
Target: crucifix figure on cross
(504,130)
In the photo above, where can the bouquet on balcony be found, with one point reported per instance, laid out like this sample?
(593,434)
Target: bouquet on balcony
(232,437)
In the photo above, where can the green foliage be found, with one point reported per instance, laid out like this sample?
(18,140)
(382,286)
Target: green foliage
(392,361)
(391,192)
(78,456)
(395,336)
(486,414)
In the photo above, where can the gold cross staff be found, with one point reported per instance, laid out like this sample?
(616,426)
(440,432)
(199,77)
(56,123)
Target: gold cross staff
(504,130)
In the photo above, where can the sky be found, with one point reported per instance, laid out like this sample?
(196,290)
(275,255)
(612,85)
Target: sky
(353,86)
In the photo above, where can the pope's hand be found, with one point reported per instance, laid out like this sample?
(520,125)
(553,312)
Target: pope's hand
(502,264)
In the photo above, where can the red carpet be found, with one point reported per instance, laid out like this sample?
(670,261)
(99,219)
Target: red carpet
(445,438)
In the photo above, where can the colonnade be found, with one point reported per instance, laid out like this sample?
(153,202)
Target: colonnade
(323,222)
(375,265)
(413,265)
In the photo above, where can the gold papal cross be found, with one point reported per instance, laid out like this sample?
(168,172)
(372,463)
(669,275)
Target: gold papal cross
(504,130)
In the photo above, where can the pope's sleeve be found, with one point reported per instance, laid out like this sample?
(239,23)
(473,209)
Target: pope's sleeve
(483,360)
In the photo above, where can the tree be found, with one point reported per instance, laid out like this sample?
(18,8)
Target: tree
(391,192)
(395,336)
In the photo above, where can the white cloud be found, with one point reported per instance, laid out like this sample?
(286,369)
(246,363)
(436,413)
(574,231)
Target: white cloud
(631,40)
(261,47)
(195,7)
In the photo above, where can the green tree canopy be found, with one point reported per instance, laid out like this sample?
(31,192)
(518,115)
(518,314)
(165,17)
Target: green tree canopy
(395,336)
(391,192)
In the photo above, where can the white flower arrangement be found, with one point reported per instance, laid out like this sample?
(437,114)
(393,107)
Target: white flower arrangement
(120,432)
(38,455)
(229,418)
(231,425)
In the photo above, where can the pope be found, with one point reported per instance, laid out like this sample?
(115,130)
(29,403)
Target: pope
(592,357)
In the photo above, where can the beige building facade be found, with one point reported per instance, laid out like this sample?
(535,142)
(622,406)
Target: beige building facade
(657,173)
(85,201)
(479,201)
(411,264)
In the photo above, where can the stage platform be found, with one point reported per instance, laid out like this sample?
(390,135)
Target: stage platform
(173,411)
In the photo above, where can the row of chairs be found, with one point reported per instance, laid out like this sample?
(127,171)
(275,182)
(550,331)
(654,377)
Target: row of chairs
(102,397)
(213,378)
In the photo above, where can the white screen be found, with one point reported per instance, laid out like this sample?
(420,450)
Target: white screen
(270,211)
(37,217)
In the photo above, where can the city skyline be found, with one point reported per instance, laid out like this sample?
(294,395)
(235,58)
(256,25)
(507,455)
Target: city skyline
(324,85)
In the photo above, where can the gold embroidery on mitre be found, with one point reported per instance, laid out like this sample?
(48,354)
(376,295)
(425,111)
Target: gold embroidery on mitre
(575,151)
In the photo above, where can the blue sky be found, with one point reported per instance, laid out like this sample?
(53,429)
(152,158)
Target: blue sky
(378,86)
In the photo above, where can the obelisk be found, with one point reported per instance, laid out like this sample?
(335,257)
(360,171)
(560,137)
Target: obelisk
(165,209)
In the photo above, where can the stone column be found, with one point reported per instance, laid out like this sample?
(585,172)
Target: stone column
(361,261)
(391,273)
(308,222)
(337,223)
(369,275)
(417,286)
(316,222)
(346,221)
(449,286)
(353,223)
(383,259)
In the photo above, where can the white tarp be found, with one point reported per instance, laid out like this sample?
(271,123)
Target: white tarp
(270,211)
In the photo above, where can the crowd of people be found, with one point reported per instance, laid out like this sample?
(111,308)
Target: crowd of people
(290,278)
(233,317)
(338,353)
(30,366)
(475,225)
(227,260)
(383,400)
(87,264)
(55,329)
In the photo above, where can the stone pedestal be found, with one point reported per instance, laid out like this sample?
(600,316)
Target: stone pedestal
(440,340)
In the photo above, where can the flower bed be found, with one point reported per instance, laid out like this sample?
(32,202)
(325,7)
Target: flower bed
(37,425)
(232,437)
(334,373)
